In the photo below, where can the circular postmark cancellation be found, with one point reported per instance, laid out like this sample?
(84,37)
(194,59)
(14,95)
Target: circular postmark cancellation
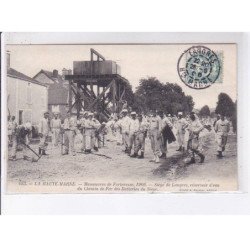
(198,67)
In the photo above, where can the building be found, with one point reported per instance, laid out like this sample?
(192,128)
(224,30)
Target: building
(57,91)
(27,98)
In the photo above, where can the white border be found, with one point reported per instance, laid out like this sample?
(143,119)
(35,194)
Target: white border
(212,203)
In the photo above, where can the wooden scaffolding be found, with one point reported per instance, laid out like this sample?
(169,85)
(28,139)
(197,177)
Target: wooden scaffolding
(95,92)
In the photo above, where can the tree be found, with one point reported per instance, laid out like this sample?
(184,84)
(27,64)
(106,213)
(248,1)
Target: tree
(128,96)
(225,105)
(205,111)
(151,94)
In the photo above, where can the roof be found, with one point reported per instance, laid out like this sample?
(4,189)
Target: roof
(16,74)
(49,74)
(57,94)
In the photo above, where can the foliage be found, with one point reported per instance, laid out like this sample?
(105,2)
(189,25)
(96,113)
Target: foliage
(225,105)
(205,111)
(151,94)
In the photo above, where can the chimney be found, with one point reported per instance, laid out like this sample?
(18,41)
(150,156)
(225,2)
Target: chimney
(64,72)
(55,73)
(8,60)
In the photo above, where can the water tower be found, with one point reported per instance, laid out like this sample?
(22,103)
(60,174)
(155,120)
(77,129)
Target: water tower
(96,85)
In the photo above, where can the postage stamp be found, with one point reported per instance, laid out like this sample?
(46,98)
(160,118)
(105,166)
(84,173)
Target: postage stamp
(199,67)
(119,118)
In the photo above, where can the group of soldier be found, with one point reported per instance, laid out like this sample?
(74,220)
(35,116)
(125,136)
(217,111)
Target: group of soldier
(128,128)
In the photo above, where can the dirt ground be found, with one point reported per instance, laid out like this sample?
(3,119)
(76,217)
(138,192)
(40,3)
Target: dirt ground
(93,168)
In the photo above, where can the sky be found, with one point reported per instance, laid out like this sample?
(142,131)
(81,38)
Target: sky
(136,62)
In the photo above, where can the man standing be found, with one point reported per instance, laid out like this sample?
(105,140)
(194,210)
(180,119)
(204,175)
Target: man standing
(181,125)
(125,125)
(140,137)
(69,127)
(82,129)
(222,127)
(89,133)
(164,122)
(155,135)
(43,131)
(118,131)
(96,136)
(55,128)
(133,129)
(195,127)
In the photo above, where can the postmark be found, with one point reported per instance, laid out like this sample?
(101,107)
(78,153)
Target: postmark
(199,67)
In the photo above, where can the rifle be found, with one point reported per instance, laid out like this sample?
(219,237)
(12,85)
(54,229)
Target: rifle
(102,155)
(33,160)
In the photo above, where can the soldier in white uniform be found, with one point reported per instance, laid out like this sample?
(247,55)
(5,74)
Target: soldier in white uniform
(90,127)
(194,128)
(155,135)
(55,125)
(133,129)
(181,125)
(43,131)
(118,131)
(69,127)
(140,137)
(125,124)
(222,127)
(96,135)
(82,129)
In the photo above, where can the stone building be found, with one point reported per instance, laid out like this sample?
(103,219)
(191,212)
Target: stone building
(27,98)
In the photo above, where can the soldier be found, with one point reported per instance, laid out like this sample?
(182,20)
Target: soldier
(20,136)
(55,129)
(96,136)
(90,127)
(164,122)
(100,133)
(82,129)
(125,124)
(195,127)
(69,127)
(155,135)
(222,127)
(133,129)
(216,119)
(181,125)
(140,137)
(118,131)
(43,131)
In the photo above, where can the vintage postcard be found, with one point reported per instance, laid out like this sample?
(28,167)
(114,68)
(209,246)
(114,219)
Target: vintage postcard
(120,118)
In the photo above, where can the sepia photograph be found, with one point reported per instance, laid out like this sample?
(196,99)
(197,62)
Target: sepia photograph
(121,118)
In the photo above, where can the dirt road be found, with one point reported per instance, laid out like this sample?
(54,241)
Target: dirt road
(121,167)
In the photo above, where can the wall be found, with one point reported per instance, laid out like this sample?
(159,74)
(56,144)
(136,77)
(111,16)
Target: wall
(11,96)
(29,97)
